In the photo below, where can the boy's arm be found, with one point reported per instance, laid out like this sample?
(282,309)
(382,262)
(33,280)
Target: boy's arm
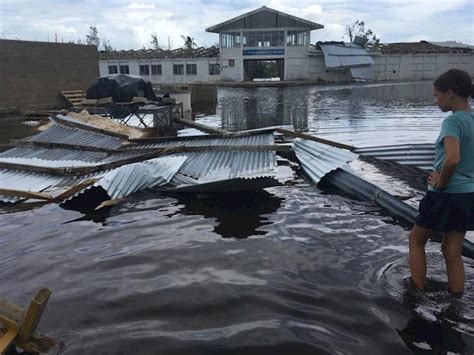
(452,157)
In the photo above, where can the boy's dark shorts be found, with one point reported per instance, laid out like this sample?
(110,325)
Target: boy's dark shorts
(445,211)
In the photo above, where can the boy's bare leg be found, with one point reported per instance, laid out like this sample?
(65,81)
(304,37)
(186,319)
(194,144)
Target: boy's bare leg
(452,248)
(417,240)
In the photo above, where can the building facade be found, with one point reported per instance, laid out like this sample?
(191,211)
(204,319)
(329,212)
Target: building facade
(269,35)
(179,66)
(264,35)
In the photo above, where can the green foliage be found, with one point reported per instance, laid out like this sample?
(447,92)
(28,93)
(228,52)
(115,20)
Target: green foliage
(154,42)
(358,29)
(93,37)
(266,69)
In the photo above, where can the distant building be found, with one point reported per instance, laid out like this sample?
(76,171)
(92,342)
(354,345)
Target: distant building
(178,66)
(269,35)
(264,34)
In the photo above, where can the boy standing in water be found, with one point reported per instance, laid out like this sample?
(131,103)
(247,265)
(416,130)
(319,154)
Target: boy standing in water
(448,206)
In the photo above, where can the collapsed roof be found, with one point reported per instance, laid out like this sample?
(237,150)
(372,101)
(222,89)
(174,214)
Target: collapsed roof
(200,52)
(71,158)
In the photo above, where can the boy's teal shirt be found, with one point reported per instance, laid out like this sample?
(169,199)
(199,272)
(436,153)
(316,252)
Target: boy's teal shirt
(459,125)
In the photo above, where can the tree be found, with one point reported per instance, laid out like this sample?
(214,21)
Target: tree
(93,36)
(106,46)
(154,42)
(189,42)
(358,29)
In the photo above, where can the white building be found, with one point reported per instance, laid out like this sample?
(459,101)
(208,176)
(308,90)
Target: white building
(264,34)
(178,66)
(269,35)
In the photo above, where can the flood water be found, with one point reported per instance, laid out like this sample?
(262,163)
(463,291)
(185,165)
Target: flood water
(288,270)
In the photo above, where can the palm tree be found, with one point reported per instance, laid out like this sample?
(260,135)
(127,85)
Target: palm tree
(189,42)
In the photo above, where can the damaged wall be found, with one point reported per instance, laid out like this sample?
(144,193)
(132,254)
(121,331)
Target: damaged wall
(35,72)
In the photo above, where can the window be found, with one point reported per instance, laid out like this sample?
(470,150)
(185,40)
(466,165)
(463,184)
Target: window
(191,69)
(124,69)
(297,38)
(263,39)
(113,69)
(231,63)
(156,69)
(214,69)
(178,69)
(230,40)
(144,69)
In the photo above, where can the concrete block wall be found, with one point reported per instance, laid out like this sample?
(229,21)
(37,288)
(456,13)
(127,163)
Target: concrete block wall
(33,73)
(167,76)
(419,66)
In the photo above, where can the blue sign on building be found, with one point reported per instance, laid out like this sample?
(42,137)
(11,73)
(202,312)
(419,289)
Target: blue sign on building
(264,51)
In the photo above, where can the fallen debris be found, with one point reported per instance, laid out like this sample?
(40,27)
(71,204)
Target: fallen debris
(18,325)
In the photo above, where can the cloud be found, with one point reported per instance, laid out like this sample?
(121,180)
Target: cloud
(129,24)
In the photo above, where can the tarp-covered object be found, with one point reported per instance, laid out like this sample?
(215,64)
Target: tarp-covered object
(122,88)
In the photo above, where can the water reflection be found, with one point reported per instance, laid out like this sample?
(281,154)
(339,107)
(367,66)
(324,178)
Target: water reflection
(328,108)
(252,108)
(425,337)
(239,215)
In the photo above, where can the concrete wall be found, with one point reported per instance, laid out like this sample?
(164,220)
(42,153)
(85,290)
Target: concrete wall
(419,66)
(237,71)
(33,73)
(396,67)
(301,66)
(167,76)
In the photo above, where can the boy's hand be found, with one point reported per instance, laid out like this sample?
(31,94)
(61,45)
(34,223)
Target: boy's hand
(433,178)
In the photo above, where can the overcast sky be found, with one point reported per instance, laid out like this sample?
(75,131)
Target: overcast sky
(129,24)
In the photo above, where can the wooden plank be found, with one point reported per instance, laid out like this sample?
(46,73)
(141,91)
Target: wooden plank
(7,340)
(33,314)
(71,91)
(315,139)
(202,127)
(88,128)
(11,310)
(87,170)
(31,144)
(73,190)
(26,194)
(105,101)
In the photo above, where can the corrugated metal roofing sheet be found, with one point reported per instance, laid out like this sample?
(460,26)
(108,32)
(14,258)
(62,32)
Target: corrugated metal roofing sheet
(340,55)
(53,154)
(130,178)
(260,139)
(348,181)
(362,73)
(27,181)
(319,159)
(418,155)
(68,135)
(213,166)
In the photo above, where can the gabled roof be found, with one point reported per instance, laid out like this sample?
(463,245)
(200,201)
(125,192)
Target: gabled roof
(263,17)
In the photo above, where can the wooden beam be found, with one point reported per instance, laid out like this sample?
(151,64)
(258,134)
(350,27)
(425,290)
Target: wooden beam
(73,190)
(26,194)
(33,314)
(202,127)
(315,139)
(245,148)
(222,148)
(7,340)
(88,127)
(86,170)
(23,143)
